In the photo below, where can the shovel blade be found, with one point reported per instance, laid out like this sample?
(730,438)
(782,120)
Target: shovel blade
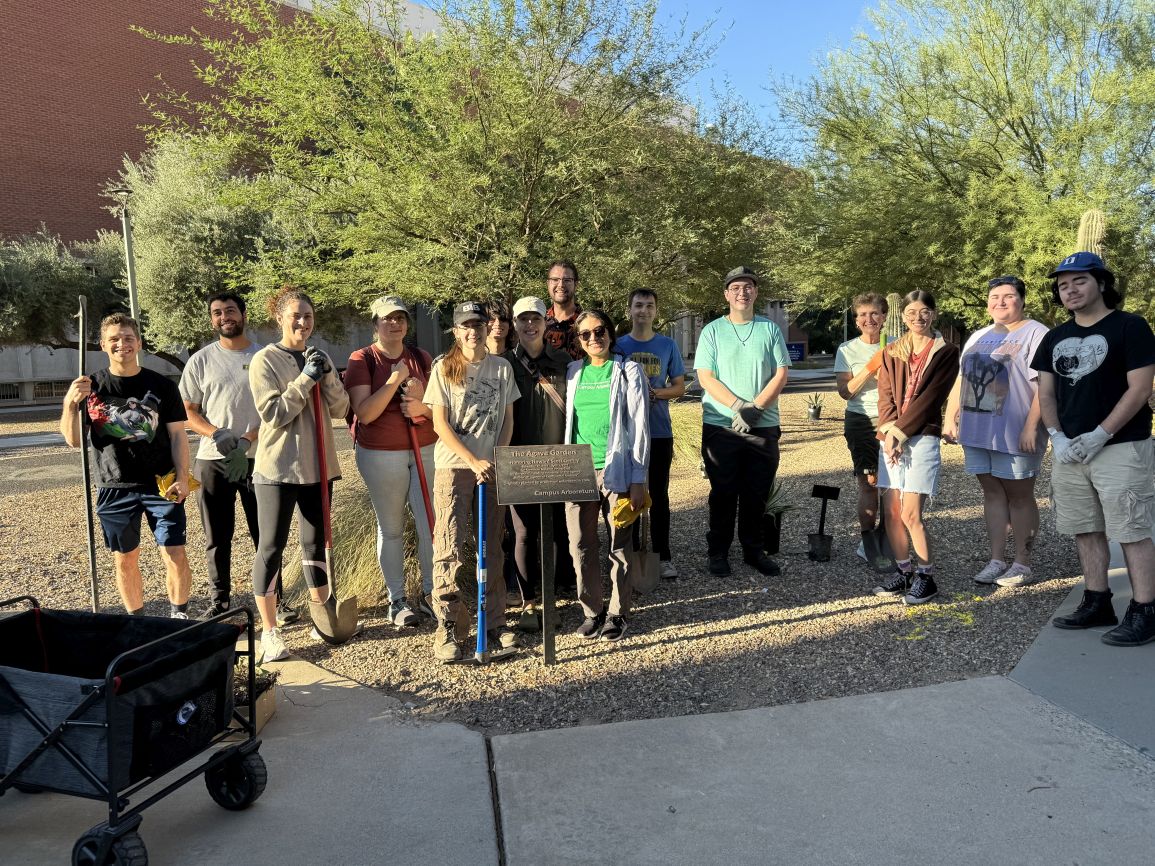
(820,546)
(877,548)
(335,625)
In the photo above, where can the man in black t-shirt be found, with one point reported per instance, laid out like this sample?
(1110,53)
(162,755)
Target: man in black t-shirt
(1095,375)
(135,419)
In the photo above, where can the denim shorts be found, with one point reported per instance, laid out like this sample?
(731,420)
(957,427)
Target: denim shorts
(120,512)
(917,469)
(1009,467)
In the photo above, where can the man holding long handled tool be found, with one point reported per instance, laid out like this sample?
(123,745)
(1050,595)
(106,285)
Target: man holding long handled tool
(137,421)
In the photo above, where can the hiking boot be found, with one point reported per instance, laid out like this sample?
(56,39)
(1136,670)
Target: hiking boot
(991,572)
(1094,610)
(591,626)
(425,607)
(285,614)
(614,629)
(720,566)
(446,649)
(273,648)
(216,609)
(502,638)
(1017,575)
(894,586)
(922,589)
(402,615)
(667,570)
(763,564)
(1137,628)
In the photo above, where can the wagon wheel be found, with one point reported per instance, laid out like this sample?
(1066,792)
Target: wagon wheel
(236,783)
(126,850)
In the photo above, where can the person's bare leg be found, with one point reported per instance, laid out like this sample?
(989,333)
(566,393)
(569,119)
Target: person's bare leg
(996,513)
(912,519)
(178,575)
(895,529)
(128,582)
(1024,512)
(267,608)
(1095,556)
(867,502)
(1140,557)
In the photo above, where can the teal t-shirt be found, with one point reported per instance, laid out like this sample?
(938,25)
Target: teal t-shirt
(744,358)
(591,410)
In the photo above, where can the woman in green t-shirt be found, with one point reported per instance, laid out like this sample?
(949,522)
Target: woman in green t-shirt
(607,408)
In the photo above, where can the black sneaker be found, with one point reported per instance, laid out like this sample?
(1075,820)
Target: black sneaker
(896,585)
(614,629)
(1137,628)
(591,626)
(286,614)
(720,566)
(758,560)
(1094,610)
(216,610)
(922,589)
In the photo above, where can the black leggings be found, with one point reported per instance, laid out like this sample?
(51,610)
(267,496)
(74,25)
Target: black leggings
(275,504)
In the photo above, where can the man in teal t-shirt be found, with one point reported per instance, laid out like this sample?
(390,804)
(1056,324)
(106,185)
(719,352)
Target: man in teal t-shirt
(742,364)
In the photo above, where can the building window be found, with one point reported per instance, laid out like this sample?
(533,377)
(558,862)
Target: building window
(48,390)
(9,391)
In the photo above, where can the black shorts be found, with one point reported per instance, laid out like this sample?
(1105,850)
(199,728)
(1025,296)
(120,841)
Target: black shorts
(863,444)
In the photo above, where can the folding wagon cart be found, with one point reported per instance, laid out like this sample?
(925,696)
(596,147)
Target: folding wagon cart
(103,705)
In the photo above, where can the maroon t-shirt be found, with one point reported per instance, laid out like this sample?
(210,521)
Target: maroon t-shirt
(389,430)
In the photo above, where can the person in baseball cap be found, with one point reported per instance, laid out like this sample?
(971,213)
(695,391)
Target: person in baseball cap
(1084,262)
(468,311)
(742,272)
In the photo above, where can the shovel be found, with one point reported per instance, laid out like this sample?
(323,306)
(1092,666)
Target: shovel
(876,545)
(483,655)
(645,569)
(335,621)
(86,472)
(820,542)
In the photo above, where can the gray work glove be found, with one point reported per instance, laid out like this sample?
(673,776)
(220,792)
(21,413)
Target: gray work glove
(317,364)
(225,440)
(740,422)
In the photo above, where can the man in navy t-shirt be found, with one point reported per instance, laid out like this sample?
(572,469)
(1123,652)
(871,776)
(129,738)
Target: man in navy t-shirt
(1095,375)
(660,358)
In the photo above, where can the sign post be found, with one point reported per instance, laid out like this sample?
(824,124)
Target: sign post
(542,475)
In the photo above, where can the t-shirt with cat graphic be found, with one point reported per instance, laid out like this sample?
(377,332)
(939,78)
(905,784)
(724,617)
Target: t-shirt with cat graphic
(1090,366)
(127,417)
(476,409)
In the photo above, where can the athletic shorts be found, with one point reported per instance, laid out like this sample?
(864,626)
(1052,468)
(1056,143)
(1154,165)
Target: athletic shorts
(120,512)
(862,442)
(1114,493)
(917,469)
(1009,467)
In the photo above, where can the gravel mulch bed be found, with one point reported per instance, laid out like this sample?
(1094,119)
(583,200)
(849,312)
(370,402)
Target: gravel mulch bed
(698,644)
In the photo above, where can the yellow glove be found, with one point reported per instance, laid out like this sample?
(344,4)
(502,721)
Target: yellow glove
(623,515)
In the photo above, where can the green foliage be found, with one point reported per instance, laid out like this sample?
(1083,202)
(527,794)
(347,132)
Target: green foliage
(962,140)
(41,279)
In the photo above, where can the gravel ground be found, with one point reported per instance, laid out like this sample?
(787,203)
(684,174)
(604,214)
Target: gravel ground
(698,644)
(41,420)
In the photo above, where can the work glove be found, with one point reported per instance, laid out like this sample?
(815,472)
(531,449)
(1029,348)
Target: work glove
(1090,444)
(1062,446)
(746,415)
(317,364)
(225,440)
(237,464)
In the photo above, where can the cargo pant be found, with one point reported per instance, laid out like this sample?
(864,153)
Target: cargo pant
(454,503)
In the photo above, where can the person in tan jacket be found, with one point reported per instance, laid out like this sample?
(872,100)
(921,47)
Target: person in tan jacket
(286,474)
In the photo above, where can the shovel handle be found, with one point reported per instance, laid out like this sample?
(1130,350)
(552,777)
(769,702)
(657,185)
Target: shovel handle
(482,574)
(416,446)
(322,465)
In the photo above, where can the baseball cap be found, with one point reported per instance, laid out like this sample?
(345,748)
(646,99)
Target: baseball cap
(387,305)
(529,305)
(742,272)
(467,311)
(1082,261)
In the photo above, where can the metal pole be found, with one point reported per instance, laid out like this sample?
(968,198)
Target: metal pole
(549,653)
(129,262)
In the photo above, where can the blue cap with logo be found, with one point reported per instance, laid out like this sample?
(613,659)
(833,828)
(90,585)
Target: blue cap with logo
(1082,261)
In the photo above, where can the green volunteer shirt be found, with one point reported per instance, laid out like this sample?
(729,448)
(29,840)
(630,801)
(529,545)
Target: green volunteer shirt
(591,410)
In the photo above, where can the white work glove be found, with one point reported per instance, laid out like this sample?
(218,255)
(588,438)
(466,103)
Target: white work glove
(1090,444)
(1062,447)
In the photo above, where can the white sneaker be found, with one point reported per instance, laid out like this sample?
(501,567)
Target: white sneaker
(1017,575)
(667,570)
(177,614)
(861,551)
(273,649)
(991,572)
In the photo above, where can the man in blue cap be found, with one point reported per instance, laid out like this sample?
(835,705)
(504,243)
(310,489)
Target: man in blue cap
(1095,375)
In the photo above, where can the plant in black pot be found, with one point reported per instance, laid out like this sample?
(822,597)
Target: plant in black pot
(814,406)
(776,506)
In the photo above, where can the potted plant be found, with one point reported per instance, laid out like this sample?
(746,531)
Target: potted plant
(814,406)
(266,697)
(776,506)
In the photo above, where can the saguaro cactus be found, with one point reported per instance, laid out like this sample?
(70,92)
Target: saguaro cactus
(892,330)
(1092,231)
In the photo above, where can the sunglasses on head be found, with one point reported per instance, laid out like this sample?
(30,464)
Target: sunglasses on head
(597,333)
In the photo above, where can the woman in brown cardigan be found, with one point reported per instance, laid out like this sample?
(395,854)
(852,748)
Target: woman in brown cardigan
(916,377)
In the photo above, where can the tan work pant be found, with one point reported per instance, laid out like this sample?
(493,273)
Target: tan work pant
(581,519)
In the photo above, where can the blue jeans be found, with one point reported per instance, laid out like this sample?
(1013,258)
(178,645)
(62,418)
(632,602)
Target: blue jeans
(391,478)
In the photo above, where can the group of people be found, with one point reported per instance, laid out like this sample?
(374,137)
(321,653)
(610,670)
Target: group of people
(1084,384)
(538,375)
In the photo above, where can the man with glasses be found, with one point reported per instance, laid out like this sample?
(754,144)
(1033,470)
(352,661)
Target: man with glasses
(562,282)
(856,365)
(742,364)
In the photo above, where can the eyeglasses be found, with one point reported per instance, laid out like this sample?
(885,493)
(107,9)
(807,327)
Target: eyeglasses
(741,290)
(921,315)
(569,281)
(597,333)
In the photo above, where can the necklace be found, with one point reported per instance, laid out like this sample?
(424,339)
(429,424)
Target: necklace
(749,334)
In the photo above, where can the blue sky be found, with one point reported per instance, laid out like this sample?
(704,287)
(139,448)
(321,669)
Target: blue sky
(764,40)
